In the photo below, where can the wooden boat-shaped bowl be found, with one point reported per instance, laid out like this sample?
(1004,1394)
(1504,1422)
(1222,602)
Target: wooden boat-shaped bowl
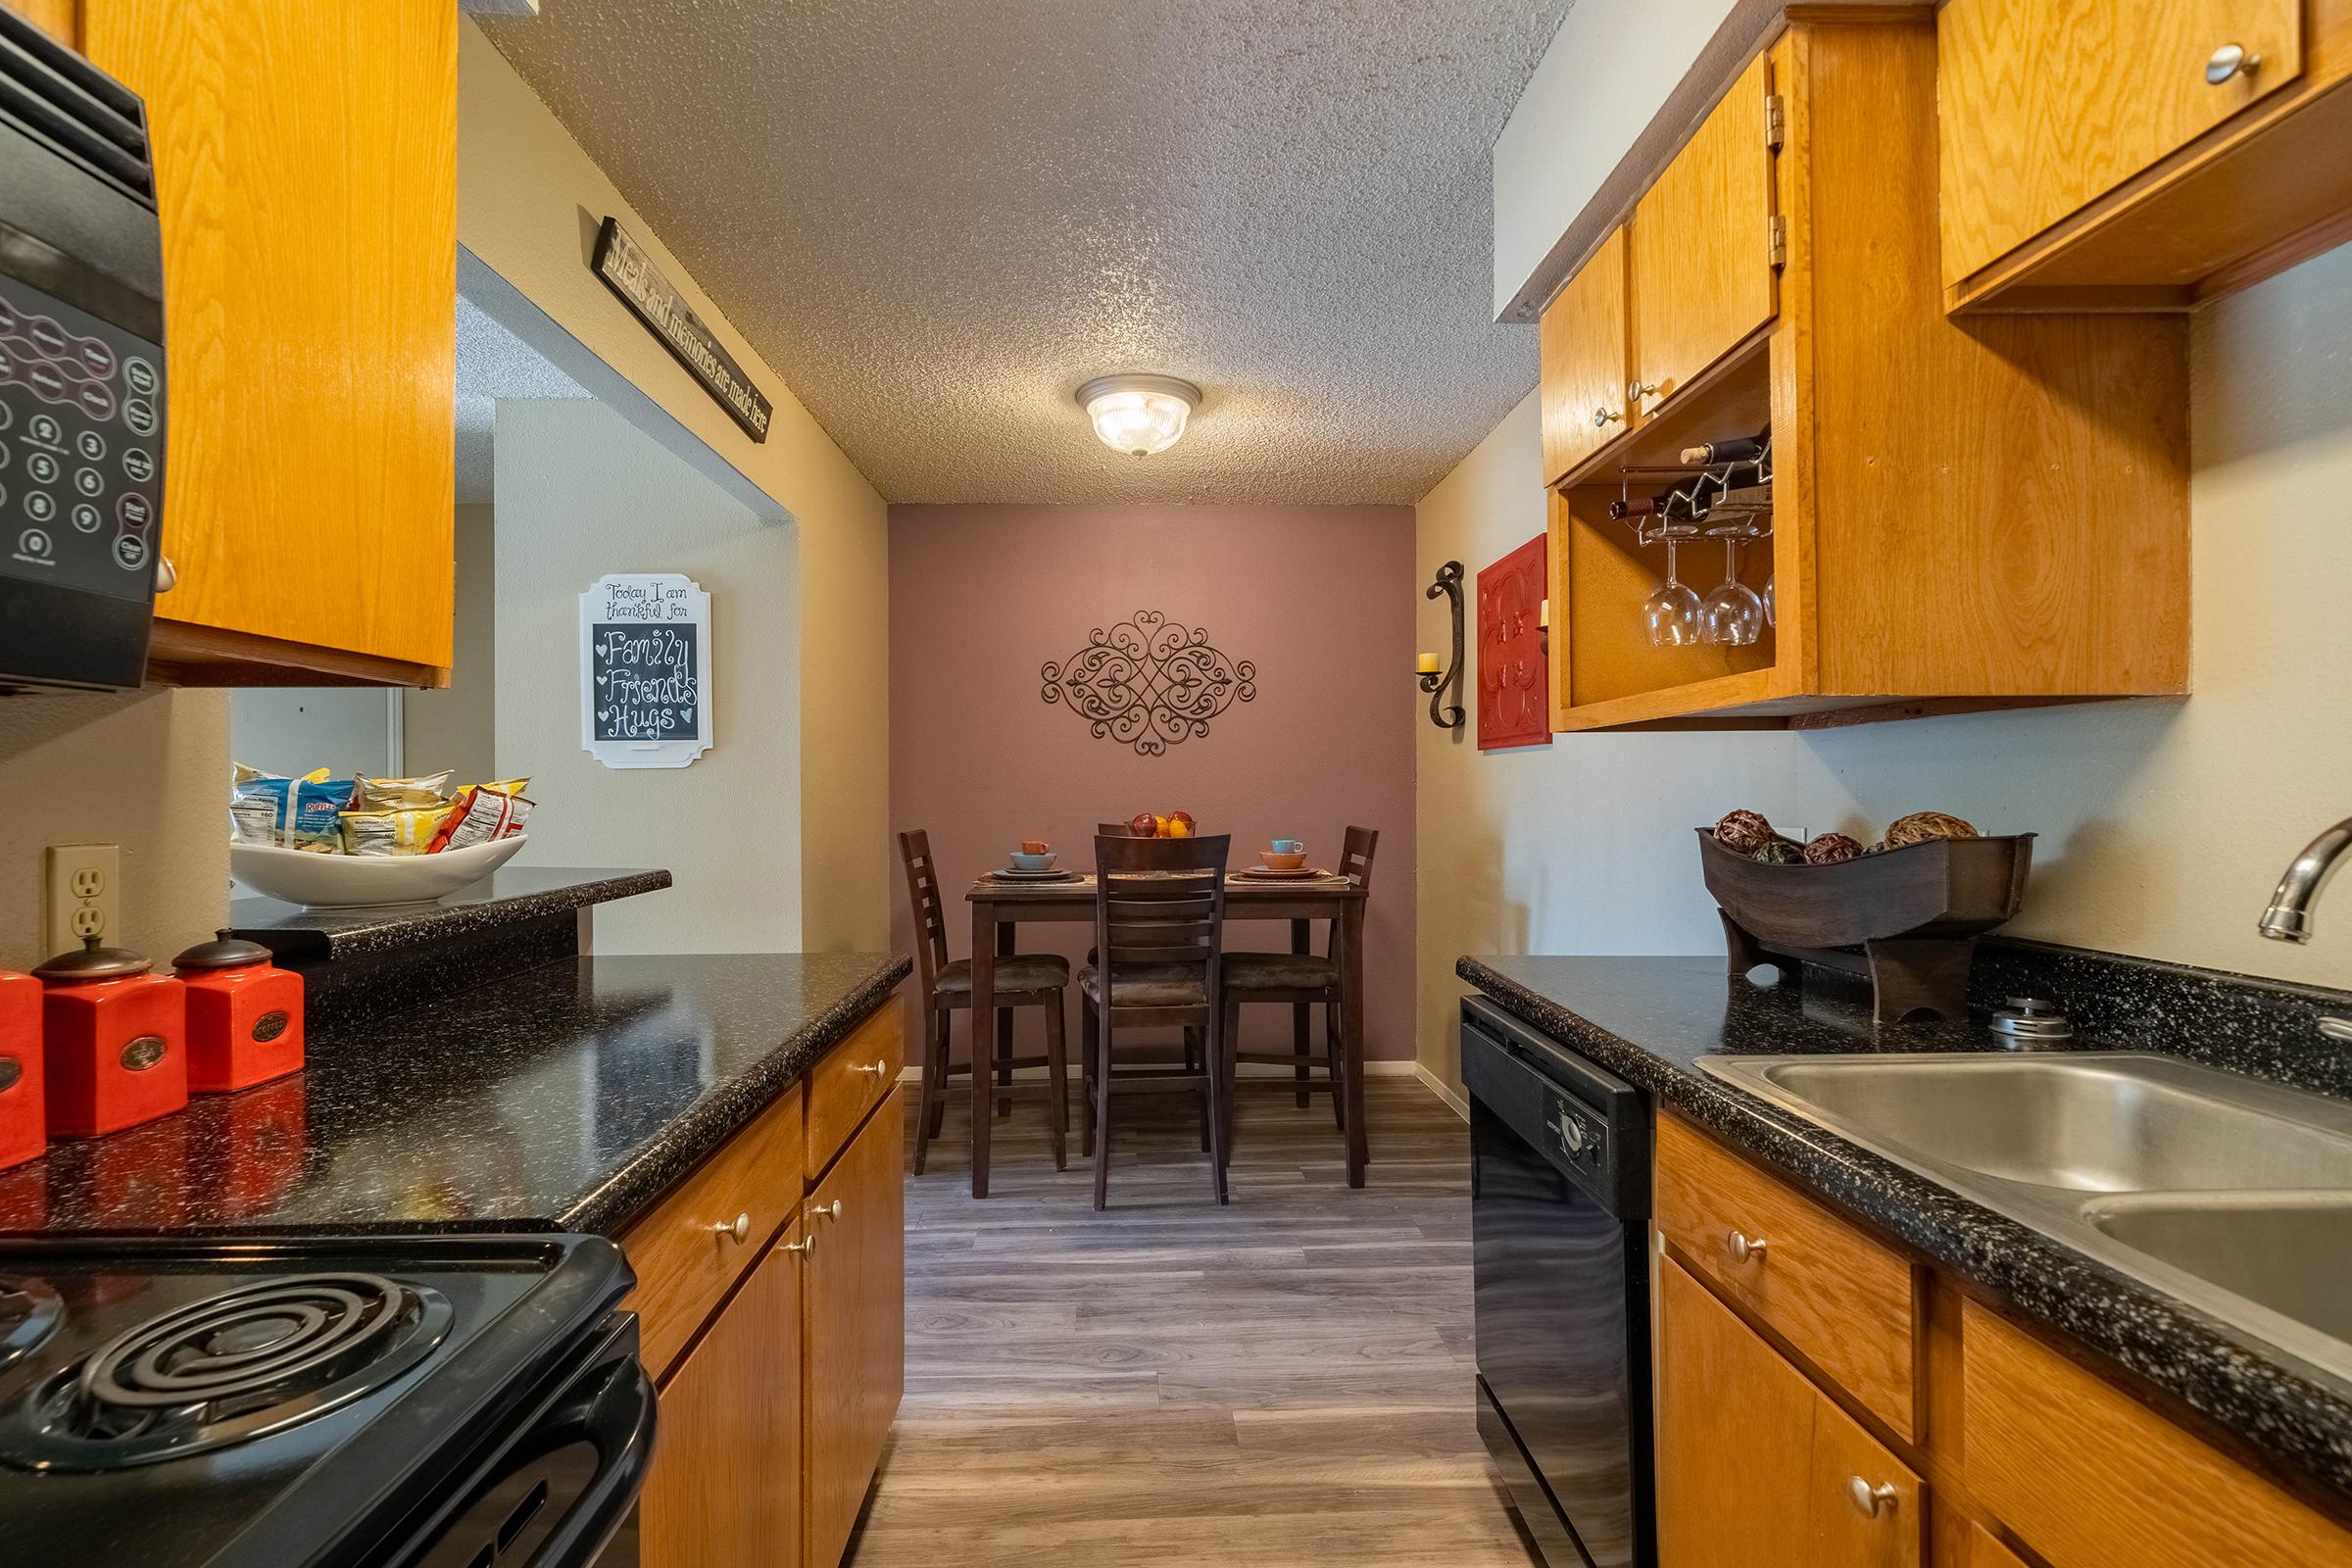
(1944,888)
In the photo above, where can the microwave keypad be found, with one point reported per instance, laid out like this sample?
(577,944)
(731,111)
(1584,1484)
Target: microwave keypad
(82,447)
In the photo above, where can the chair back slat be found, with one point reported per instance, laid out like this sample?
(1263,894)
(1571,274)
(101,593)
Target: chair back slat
(1356,864)
(923,899)
(1160,902)
(1114,830)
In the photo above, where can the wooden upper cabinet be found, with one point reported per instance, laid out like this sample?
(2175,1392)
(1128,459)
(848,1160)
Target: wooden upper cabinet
(724,1490)
(306,158)
(854,1326)
(2046,104)
(59,18)
(1756,1466)
(1583,346)
(1704,269)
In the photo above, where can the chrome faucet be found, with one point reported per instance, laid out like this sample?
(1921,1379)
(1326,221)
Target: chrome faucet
(2289,918)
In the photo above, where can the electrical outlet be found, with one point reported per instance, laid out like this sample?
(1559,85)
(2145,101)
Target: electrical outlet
(84,898)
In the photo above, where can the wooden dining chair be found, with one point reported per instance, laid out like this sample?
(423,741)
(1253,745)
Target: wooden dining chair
(1160,929)
(1023,980)
(1303,980)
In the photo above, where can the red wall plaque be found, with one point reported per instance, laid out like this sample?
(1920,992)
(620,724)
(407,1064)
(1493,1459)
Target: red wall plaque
(1514,678)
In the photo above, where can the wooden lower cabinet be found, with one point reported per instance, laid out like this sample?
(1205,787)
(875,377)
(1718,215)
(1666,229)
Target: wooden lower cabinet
(724,1485)
(854,1326)
(772,1422)
(1756,1468)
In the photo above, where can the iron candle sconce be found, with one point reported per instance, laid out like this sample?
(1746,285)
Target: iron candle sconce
(1439,685)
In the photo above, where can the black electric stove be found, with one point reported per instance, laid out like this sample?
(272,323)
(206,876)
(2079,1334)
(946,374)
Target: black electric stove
(395,1402)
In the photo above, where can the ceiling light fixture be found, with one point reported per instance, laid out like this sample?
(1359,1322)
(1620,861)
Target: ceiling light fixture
(1138,414)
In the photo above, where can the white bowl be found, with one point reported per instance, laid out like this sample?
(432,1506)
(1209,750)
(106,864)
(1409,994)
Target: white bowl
(365,881)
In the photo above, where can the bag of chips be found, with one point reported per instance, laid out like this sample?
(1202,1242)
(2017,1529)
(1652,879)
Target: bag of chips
(482,814)
(405,831)
(296,814)
(397,794)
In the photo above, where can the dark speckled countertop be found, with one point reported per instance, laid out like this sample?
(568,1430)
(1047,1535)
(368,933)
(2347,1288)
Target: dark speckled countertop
(561,1098)
(1649,1019)
(510,895)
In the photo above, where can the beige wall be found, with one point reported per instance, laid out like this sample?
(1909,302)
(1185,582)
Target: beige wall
(582,493)
(146,770)
(455,727)
(529,203)
(2164,825)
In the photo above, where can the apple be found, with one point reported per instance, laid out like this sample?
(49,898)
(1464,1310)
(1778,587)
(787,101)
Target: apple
(1144,825)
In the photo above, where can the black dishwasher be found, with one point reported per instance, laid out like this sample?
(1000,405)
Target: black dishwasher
(1559,1207)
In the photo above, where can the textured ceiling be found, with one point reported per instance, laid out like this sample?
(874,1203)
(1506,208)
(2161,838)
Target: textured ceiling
(936,217)
(493,363)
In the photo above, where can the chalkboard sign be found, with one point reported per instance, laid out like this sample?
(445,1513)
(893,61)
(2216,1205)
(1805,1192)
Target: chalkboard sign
(645,670)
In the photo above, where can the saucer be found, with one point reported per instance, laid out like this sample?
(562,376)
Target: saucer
(1269,874)
(1011,873)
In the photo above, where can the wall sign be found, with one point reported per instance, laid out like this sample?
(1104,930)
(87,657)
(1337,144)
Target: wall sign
(645,670)
(628,272)
(1148,683)
(1514,678)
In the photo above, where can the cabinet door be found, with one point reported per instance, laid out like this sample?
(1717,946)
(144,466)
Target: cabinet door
(59,18)
(1754,1467)
(1703,276)
(854,1326)
(2043,105)
(1585,367)
(306,158)
(724,1487)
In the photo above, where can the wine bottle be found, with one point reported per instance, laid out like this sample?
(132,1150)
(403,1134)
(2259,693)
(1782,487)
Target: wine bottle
(1633,506)
(1739,449)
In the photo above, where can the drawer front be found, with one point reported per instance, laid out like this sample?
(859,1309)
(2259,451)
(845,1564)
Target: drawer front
(2043,106)
(851,1080)
(2089,1477)
(685,1251)
(1846,1303)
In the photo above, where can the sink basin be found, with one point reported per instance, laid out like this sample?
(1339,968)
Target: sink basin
(2230,1194)
(2283,1250)
(2089,1123)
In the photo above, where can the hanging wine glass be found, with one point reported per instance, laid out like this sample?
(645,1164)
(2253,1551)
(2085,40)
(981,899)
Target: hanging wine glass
(1671,615)
(1772,613)
(1732,615)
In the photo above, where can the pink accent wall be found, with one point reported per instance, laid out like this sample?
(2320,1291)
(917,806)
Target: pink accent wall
(1320,599)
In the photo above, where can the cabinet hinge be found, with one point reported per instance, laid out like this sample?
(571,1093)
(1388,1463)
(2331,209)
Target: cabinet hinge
(1776,241)
(1776,121)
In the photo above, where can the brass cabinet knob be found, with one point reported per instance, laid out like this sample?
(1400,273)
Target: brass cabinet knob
(807,1243)
(167,576)
(1602,417)
(737,1229)
(1869,1500)
(878,1068)
(1741,1248)
(1637,389)
(830,1211)
(2230,62)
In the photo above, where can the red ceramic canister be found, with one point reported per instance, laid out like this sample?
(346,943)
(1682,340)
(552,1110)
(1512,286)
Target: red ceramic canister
(244,1015)
(24,1113)
(113,1042)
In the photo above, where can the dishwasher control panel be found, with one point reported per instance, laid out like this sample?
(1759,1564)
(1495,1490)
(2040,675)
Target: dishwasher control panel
(1579,1136)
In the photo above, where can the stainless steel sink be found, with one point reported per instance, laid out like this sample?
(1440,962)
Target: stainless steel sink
(2228,1193)
(2288,1251)
(2089,1123)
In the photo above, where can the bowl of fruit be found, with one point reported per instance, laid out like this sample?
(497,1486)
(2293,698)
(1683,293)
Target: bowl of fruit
(1151,825)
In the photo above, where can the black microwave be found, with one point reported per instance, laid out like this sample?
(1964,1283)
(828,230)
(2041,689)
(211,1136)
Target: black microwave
(82,371)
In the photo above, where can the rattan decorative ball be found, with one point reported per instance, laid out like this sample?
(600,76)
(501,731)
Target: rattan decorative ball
(1743,832)
(1778,851)
(1921,826)
(1828,848)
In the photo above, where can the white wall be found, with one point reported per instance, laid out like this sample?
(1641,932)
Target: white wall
(581,492)
(2164,824)
(529,203)
(146,770)
(1608,69)
(457,726)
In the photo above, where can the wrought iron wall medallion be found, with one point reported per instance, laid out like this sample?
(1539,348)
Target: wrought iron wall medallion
(1148,683)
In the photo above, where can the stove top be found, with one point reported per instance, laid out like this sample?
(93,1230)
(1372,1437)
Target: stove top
(266,1402)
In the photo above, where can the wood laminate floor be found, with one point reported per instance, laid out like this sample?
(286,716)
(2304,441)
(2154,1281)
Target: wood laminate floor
(1286,1381)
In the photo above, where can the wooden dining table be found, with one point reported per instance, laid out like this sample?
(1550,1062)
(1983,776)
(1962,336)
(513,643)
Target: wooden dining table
(1001,905)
